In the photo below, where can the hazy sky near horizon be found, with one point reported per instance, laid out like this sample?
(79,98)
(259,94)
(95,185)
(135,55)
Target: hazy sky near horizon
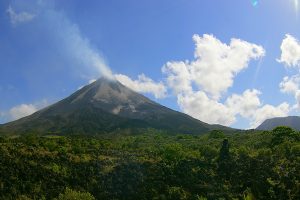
(233,62)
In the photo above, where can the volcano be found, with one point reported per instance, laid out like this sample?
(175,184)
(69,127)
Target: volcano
(106,106)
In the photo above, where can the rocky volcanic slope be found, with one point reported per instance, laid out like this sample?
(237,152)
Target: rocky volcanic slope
(106,106)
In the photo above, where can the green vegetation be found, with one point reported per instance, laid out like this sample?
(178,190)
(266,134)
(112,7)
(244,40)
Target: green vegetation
(250,165)
(74,195)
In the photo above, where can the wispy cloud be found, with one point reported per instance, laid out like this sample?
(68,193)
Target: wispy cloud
(75,45)
(66,35)
(21,17)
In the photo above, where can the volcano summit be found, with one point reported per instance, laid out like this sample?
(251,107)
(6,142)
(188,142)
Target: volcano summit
(102,107)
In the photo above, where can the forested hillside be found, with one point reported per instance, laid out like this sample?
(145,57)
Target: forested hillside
(154,165)
(290,121)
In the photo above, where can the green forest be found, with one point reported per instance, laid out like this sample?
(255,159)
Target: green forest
(153,165)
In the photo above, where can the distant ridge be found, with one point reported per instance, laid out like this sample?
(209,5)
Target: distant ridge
(291,121)
(106,106)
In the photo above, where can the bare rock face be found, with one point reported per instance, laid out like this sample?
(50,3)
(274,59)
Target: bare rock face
(105,106)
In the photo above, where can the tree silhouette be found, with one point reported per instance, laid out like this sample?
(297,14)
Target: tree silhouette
(224,161)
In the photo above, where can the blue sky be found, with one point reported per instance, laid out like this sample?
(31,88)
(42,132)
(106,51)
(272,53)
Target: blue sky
(48,49)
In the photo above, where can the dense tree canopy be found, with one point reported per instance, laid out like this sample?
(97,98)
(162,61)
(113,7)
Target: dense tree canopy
(153,165)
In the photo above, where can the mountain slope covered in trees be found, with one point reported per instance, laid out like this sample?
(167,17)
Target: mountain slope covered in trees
(291,121)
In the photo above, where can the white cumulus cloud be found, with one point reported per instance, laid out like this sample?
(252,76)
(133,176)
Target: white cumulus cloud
(178,76)
(200,106)
(245,104)
(290,51)
(200,85)
(290,57)
(269,111)
(21,17)
(143,84)
(290,85)
(249,106)
(215,65)
(22,110)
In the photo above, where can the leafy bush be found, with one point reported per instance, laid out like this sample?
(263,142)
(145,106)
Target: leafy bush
(75,195)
